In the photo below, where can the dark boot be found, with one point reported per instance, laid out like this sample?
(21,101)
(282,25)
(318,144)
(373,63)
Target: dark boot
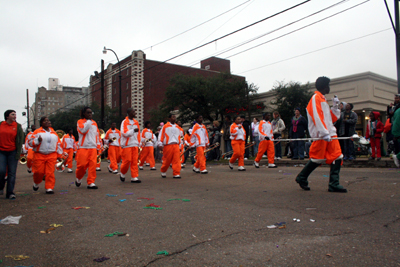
(334,185)
(302,177)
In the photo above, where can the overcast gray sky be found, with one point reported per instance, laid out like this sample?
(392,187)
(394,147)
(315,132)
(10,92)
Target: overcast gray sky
(64,39)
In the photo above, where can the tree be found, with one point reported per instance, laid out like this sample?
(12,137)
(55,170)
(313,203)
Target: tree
(289,96)
(212,97)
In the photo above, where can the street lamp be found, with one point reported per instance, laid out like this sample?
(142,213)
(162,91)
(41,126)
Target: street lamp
(120,79)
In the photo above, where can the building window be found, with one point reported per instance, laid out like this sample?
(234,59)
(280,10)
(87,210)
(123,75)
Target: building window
(127,86)
(127,72)
(127,99)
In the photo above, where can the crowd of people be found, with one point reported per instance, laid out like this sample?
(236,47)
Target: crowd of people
(132,148)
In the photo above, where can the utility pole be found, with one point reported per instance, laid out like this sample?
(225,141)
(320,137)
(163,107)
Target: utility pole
(396,28)
(27,106)
(102,94)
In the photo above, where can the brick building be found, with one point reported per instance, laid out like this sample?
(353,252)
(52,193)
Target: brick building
(144,82)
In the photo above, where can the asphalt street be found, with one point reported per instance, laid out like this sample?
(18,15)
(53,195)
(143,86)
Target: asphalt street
(217,219)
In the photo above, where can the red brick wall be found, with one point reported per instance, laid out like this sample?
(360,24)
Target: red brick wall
(216,64)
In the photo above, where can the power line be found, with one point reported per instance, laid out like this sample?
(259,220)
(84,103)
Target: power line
(320,49)
(301,28)
(196,26)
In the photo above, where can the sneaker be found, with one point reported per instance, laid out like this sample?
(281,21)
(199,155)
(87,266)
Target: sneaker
(108,161)
(49,191)
(135,180)
(35,187)
(275,158)
(11,196)
(141,168)
(177,177)
(264,156)
(29,170)
(115,172)
(109,169)
(278,158)
(271,165)
(245,158)
(122,177)
(230,165)
(78,182)
(147,164)
(98,169)
(69,171)
(256,164)
(241,168)
(163,175)
(196,170)
(204,172)
(396,161)
(182,166)
(92,186)
(153,169)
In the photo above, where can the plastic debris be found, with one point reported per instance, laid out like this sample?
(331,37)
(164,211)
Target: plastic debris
(272,226)
(163,252)
(152,208)
(145,198)
(312,220)
(55,225)
(11,220)
(115,233)
(153,205)
(62,193)
(281,225)
(123,234)
(109,195)
(42,207)
(78,208)
(17,257)
(185,200)
(294,219)
(298,220)
(71,183)
(48,230)
(101,259)
(122,200)
(129,194)
(173,199)
(329,255)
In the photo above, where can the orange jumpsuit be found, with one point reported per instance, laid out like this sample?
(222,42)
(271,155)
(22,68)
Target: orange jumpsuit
(320,124)
(88,145)
(169,138)
(147,153)
(238,137)
(130,146)
(29,157)
(45,157)
(199,139)
(68,145)
(265,130)
(114,154)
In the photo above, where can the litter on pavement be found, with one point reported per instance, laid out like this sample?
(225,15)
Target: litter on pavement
(11,220)
(101,259)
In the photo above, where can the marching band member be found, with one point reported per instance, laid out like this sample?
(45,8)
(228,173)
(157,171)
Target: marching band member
(266,137)
(199,139)
(88,145)
(320,125)
(169,139)
(68,145)
(29,157)
(186,141)
(181,144)
(238,137)
(47,147)
(130,139)
(98,163)
(114,154)
(148,141)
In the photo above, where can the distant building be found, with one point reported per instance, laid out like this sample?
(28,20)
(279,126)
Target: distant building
(58,98)
(144,82)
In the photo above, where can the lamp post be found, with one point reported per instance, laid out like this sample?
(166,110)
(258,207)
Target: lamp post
(120,79)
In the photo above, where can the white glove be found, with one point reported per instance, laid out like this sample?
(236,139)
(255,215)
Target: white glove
(327,138)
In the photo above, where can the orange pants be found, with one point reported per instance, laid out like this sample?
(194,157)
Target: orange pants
(29,158)
(114,157)
(238,152)
(201,158)
(70,152)
(147,155)
(130,159)
(266,145)
(171,155)
(86,160)
(45,165)
(321,150)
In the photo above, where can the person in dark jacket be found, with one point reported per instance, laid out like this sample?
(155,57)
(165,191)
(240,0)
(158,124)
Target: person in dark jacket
(298,130)
(374,133)
(227,134)
(246,126)
(11,140)
(348,120)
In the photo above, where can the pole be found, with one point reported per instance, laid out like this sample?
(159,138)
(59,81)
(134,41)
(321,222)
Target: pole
(102,94)
(27,106)
(120,90)
(397,23)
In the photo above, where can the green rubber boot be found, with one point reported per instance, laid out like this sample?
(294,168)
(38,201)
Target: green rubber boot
(334,185)
(302,177)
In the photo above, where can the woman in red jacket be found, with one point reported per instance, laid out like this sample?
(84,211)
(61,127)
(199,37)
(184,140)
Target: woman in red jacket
(374,133)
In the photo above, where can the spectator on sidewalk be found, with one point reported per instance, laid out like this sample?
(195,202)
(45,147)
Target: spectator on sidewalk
(348,122)
(227,134)
(278,126)
(298,130)
(246,127)
(374,133)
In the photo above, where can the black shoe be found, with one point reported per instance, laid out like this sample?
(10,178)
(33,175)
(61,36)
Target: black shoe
(77,184)
(29,171)
(303,186)
(122,178)
(136,181)
(163,175)
(35,188)
(338,190)
(50,192)
(92,187)
(177,177)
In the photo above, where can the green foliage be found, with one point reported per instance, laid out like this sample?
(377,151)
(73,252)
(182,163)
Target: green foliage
(288,97)
(212,97)
(64,120)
